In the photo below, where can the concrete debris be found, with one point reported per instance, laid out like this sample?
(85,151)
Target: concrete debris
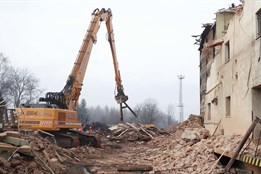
(46,157)
(179,156)
(189,136)
(194,134)
(192,129)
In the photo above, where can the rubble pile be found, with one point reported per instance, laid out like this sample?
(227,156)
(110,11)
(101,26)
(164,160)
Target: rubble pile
(194,121)
(184,154)
(44,157)
(192,129)
(179,156)
(132,132)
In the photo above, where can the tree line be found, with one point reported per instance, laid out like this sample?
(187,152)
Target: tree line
(148,112)
(18,86)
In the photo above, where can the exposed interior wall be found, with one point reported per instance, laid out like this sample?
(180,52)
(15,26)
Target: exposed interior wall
(222,20)
(203,81)
(206,57)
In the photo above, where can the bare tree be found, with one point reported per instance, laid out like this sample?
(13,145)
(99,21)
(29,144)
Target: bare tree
(2,101)
(147,111)
(5,70)
(2,108)
(17,85)
(24,88)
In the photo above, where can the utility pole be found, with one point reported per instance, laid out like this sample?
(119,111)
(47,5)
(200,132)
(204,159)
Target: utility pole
(180,77)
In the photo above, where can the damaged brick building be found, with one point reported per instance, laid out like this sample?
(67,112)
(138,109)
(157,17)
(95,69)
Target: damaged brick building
(230,69)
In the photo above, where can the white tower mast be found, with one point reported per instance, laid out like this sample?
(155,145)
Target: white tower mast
(180,77)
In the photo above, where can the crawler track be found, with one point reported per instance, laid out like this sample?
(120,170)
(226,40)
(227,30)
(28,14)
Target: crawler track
(71,138)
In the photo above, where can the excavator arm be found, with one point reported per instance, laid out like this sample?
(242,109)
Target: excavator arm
(69,96)
(120,97)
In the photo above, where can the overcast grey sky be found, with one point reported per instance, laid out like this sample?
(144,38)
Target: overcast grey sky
(153,43)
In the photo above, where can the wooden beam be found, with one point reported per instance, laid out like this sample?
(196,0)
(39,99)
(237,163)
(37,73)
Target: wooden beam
(6,121)
(134,167)
(47,156)
(216,127)
(8,147)
(15,141)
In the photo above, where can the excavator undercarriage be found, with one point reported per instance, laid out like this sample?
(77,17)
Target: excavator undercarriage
(71,138)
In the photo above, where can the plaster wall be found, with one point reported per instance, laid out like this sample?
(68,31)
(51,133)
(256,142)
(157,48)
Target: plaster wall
(237,77)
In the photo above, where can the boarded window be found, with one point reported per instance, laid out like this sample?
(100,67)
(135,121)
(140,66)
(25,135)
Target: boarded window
(258,16)
(227,51)
(209,111)
(228,106)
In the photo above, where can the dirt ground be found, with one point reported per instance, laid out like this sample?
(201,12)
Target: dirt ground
(164,154)
(112,156)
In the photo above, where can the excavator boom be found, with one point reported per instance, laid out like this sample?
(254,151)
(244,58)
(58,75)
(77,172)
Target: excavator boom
(69,96)
(120,97)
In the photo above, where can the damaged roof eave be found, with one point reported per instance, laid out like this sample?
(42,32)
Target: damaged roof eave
(215,43)
(226,11)
(205,32)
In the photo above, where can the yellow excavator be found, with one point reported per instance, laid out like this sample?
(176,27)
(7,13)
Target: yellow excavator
(56,112)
